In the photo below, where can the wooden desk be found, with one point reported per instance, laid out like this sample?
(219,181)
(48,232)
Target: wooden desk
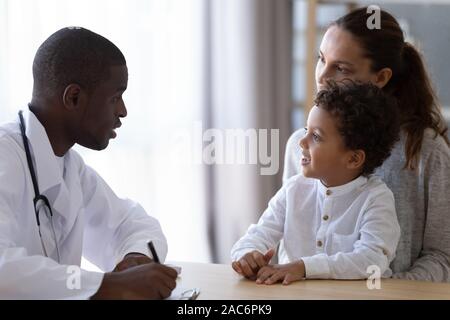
(219,281)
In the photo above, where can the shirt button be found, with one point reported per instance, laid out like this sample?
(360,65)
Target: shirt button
(325,217)
(328,192)
(385,252)
(319,243)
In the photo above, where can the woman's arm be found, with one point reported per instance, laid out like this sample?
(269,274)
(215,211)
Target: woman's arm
(433,263)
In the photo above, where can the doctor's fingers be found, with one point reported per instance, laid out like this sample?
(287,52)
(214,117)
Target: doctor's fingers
(166,289)
(126,264)
(157,268)
(132,260)
(160,275)
(162,286)
(139,259)
(168,271)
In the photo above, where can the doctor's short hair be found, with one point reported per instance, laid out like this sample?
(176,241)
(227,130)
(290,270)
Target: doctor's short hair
(366,117)
(74,55)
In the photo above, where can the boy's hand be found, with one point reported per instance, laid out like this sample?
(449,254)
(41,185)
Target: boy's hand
(249,265)
(286,273)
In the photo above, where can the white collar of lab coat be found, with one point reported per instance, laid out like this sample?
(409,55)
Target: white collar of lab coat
(65,203)
(342,189)
(45,161)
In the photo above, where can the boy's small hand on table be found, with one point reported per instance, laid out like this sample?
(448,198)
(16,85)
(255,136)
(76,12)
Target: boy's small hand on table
(249,265)
(287,273)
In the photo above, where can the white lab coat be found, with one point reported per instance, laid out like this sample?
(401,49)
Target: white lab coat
(89,220)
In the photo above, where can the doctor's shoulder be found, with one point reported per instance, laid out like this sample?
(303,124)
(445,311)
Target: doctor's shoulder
(11,145)
(13,163)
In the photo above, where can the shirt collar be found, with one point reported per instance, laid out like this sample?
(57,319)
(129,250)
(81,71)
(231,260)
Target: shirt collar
(45,161)
(342,189)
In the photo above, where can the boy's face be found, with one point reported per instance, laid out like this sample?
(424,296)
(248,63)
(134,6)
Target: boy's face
(324,155)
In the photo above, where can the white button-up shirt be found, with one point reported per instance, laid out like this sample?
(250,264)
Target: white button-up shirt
(89,220)
(338,232)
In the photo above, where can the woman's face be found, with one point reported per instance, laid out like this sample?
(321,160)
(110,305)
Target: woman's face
(341,56)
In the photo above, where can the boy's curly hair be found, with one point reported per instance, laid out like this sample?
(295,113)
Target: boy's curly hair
(367,118)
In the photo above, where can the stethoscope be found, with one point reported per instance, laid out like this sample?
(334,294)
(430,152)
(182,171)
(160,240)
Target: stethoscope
(40,201)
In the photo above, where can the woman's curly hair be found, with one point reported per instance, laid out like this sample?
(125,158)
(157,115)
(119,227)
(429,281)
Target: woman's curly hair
(367,118)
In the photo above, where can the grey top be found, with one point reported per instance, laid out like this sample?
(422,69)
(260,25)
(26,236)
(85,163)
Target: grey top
(422,201)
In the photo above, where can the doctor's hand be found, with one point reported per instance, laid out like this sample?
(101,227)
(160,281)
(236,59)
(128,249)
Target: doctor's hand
(132,259)
(249,265)
(145,281)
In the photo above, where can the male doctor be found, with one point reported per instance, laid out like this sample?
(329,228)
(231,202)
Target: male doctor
(53,207)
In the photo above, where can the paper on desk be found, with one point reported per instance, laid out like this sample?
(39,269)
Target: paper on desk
(180,293)
(177,268)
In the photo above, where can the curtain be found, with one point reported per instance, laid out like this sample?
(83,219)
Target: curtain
(250,88)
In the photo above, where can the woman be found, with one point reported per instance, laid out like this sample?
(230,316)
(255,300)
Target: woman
(418,170)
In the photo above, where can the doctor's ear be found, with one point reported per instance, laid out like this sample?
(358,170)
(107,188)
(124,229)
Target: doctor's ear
(73,96)
(356,159)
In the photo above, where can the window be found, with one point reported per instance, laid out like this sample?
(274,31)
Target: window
(163,44)
(421,22)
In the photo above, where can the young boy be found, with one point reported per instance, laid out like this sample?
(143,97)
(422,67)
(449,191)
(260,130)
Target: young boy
(336,219)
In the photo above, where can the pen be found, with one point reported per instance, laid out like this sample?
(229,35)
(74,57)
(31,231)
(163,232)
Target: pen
(153,251)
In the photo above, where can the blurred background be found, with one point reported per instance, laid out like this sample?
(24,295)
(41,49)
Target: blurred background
(195,65)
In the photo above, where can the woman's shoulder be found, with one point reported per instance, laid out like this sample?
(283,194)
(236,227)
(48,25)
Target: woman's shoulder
(433,147)
(435,153)
(434,141)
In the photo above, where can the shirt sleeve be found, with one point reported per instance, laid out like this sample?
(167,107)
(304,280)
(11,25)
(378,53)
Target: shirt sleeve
(267,233)
(25,276)
(378,238)
(433,263)
(115,226)
(292,155)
